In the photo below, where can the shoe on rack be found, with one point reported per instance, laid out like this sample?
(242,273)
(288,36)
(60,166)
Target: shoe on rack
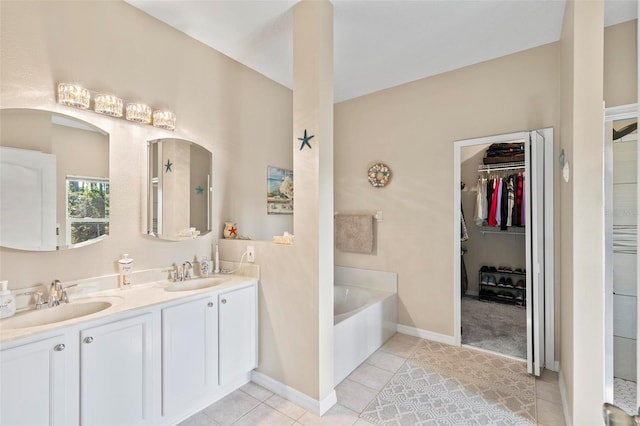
(501,283)
(508,282)
(492,269)
(521,284)
(484,268)
(518,271)
(504,269)
(484,279)
(491,280)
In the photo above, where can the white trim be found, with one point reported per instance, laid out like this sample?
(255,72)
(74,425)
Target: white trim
(621,112)
(563,397)
(428,335)
(549,251)
(457,303)
(487,351)
(295,396)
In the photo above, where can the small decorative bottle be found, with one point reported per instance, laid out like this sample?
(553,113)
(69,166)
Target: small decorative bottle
(125,264)
(204,267)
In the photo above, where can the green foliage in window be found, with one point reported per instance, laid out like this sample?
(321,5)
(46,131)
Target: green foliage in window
(87,199)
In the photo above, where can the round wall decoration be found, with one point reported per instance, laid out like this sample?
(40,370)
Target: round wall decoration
(379,175)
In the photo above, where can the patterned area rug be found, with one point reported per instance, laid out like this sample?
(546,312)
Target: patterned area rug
(447,385)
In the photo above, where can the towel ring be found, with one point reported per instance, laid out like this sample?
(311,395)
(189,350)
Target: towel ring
(379,175)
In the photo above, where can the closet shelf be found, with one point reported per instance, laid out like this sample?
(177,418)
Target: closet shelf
(496,230)
(496,167)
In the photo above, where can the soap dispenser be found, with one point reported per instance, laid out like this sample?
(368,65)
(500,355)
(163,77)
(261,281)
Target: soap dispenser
(7,301)
(124,265)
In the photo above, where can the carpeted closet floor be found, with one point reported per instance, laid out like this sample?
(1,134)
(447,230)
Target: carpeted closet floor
(495,327)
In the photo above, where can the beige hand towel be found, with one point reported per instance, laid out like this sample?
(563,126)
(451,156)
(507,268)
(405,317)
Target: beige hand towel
(354,233)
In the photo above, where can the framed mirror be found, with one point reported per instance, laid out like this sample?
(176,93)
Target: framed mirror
(179,189)
(54,181)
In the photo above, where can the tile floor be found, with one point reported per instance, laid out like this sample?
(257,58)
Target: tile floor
(252,405)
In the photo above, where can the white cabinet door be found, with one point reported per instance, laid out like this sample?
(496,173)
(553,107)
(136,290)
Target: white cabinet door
(32,383)
(237,333)
(189,355)
(116,372)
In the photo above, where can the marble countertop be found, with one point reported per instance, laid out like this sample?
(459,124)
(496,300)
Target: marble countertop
(138,296)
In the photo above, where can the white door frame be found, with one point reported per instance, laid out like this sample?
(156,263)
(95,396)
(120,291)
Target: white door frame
(612,114)
(550,362)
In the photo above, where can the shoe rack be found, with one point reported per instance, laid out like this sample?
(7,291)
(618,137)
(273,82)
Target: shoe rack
(503,285)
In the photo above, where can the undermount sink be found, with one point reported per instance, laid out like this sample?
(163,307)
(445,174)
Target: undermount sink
(34,318)
(195,284)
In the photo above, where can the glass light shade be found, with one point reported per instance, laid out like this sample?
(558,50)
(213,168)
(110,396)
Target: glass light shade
(108,105)
(164,120)
(140,113)
(73,95)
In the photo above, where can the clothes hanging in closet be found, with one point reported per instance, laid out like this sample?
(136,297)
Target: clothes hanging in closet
(500,201)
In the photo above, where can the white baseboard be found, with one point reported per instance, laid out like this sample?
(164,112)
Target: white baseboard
(563,397)
(424,334)
(295,396)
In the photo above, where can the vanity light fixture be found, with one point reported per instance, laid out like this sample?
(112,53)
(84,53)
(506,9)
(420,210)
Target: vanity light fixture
(108,105)
(164,120)
(76,96)
(140,113)
(73,95)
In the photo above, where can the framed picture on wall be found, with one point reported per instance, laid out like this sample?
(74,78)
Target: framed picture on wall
(279,190)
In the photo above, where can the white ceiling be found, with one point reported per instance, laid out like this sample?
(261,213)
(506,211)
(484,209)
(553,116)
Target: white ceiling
(377,43)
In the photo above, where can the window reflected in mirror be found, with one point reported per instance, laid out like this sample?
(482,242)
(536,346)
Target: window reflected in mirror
(54,182)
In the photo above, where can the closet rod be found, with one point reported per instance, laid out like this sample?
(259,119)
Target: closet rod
(484,232)
(501,166)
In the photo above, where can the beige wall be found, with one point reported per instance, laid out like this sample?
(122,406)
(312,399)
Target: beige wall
(621,64)
(583,287)
(412,128)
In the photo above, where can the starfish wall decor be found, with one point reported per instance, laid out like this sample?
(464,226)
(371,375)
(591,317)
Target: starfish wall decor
(305,140)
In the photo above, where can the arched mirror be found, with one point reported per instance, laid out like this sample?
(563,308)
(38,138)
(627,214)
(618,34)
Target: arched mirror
(54,181)
(179,189)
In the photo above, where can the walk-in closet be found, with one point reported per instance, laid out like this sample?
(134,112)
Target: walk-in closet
(503,251)
(493,206)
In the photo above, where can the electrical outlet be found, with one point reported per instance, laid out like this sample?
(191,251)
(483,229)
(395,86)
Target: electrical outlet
(251,254)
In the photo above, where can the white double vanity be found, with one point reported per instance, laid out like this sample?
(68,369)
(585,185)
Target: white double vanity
(151,356)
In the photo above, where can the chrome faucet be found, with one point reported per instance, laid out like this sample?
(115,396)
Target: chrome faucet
(55,290)
(40,304)
(58,293)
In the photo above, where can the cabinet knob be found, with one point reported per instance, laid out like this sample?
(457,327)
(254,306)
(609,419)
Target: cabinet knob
(88,339)
(223,301)
(210,304)
(59,347)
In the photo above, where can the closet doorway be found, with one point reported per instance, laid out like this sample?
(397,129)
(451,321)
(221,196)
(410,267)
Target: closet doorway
(621,256)
(503,252)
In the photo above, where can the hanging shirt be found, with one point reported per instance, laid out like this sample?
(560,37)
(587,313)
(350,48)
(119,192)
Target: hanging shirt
(524,206)
(504,205)
(510,200)
(494,202)
(481,202)
(499,202)
(519,194)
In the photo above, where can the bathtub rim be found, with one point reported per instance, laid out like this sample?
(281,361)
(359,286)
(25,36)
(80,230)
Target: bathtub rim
(377,296)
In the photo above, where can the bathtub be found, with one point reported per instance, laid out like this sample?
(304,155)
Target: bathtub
(364,318)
